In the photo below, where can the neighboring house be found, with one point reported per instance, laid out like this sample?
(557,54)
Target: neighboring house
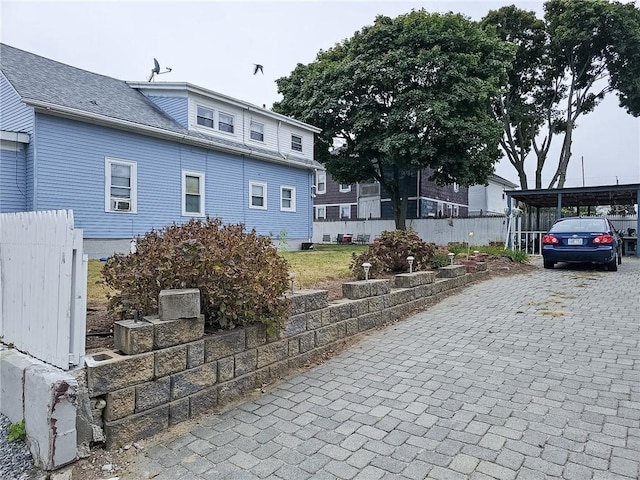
(490,199)
(128,157)
(333,201)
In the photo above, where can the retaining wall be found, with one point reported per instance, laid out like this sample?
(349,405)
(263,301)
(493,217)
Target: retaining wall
(175,371)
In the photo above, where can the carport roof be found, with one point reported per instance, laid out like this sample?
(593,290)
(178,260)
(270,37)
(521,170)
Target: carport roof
(579,196)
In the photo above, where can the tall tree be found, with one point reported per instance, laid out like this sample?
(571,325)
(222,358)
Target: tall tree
(401,95)
(595,44)
(527,105)
(564,67)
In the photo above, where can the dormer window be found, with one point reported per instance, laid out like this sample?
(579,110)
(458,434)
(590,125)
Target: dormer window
(205,117)
(257,131)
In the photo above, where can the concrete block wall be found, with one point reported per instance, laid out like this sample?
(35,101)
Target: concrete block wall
(142,394)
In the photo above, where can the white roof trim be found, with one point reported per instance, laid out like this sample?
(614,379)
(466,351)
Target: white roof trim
(17,137)
(182,86)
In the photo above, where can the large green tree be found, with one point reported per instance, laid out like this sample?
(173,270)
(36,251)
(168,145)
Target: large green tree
(565,65)
(401,95)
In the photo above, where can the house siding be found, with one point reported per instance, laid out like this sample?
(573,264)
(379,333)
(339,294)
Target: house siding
(13,182)
(16,116)
(70,172)
(176,107)
(333,198)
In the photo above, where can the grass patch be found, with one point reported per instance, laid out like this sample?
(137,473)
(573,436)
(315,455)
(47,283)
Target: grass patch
(324,262)
(97,289)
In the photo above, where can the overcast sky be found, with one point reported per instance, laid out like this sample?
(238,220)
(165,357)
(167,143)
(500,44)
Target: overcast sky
(215,45)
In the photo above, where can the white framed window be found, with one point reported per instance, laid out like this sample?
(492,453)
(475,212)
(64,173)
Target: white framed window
(120,186)
(345,211)
(225,122)
(257,131)
(321,212)
(296,143)
(345,188)
(258,195)
(456,187)
(321,182)
(192,194)
(287,199)
(204,116)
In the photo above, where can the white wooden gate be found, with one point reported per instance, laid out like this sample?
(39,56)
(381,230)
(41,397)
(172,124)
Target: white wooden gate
(43,286)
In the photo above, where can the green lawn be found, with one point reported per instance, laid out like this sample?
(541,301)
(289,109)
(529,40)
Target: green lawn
(324,262)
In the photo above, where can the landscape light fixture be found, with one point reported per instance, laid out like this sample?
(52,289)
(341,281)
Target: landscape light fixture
(367,267)
(410,259)
(292,277)
(451,255)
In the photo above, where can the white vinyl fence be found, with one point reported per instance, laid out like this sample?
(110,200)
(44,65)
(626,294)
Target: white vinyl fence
(440,231)
(43,286)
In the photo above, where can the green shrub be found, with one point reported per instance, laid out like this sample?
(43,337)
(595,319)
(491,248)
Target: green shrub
(439,260)
(388,254)
(17,431)
(240,276)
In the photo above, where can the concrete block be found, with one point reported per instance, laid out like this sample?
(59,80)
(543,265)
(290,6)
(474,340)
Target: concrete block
(271,353)
(107,371)
(414,279)
(12,367)
(226,369)
(50,411)
(298,302)
(256,334)
(351,326)
(295,325)
(152,394)
(193,380)
(170,360)
(195,354)
(330,333)
(120,404)
(380,287)
(134,427)
(378,303)
(88,428)
(359,307)
(203,402)
(245,362)
(167,333)
(356,290)
(294,347)
(339,310)
(315,299)
(223,344)
(314,320)
(481,267)
(179,411)
(369,321)
(131,337)
(423,291)
(234,389)
(307,341)
(451,271)
(181,303)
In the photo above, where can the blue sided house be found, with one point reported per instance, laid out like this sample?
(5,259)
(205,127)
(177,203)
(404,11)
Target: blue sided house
(128,157)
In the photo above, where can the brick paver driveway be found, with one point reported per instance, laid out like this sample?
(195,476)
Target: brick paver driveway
(522,377)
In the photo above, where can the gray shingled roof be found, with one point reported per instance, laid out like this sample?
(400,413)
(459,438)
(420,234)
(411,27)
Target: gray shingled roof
(45,80)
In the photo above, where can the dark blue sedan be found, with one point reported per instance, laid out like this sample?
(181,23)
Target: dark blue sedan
(582,240)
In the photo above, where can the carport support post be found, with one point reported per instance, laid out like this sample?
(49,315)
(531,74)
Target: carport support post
(638,222)
(508,243)
(559,212)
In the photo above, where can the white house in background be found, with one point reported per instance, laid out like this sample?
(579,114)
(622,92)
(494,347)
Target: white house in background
(490,199)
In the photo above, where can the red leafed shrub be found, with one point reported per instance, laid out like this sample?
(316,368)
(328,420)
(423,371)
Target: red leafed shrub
(389,252)
(240,276)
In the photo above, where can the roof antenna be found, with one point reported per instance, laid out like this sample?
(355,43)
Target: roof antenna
(156,70)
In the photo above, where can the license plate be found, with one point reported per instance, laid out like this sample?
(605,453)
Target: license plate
(574,241)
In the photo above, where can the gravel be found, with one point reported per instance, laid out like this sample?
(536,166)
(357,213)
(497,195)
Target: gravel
(16,462)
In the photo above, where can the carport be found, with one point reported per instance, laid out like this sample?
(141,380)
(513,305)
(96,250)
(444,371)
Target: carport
(628,194)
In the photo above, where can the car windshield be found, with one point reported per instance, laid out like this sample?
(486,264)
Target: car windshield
(580,225)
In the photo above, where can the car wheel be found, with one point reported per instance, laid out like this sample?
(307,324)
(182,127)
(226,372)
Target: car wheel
(612,266)
(548,263)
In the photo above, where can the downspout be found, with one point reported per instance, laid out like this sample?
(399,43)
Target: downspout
(34,193)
